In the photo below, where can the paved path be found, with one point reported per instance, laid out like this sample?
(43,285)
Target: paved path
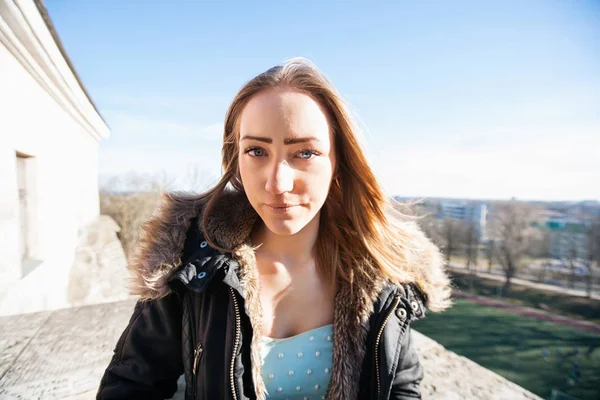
(63,354)
(524,282)
(53,355)
(530,312)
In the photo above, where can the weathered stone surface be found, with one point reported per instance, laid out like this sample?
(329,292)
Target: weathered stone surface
(15,334)
(63,354)
(67,354)
(95,273)
(450,376)
(99,271)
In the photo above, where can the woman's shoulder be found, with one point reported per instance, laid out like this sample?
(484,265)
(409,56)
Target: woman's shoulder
(406,295)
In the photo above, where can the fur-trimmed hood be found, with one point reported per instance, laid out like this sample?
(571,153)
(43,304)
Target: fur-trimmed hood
(162,237)
(158,258)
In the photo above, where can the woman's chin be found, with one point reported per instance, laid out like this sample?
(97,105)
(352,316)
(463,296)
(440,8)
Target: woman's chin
(285,227)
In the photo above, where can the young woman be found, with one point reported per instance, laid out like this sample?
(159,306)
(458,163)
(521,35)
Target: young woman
(292,278)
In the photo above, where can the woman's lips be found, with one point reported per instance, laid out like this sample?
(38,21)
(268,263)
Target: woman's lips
(281,208)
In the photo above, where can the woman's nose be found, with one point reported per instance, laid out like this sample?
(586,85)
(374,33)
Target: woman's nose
(281,179)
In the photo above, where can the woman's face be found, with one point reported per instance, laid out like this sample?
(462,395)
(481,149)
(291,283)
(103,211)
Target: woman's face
(286,158)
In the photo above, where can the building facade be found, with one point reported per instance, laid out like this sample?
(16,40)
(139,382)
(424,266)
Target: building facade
(568,237)
(473,213)
(49,141)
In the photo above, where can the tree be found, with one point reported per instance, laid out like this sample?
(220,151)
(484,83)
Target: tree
(472,248)
(130,199)
(197,179)
(544,253)
(489,252)
(572,255)
(539,249)
(433,229)
(429,224)
(453,233)
(593,242)
(472,243)
(511,223)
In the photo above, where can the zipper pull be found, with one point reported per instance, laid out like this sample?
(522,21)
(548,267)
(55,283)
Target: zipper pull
(197,353)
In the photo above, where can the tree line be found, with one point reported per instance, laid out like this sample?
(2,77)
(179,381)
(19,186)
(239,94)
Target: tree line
(512,236)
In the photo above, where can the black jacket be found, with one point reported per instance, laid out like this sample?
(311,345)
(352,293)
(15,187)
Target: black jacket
(199,319)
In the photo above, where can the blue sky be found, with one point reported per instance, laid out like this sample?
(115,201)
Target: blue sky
(474,99)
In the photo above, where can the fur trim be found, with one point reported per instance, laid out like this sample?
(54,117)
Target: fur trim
(232,220)
(353,306)
(160,245)
(432,280)
(229,226)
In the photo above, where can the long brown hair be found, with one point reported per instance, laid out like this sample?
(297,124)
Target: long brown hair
(359,226)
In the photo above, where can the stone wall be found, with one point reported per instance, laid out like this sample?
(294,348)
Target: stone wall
(99,272)
(449,376)
(94,272)
(63,354)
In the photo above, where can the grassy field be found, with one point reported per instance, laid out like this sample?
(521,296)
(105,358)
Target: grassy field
(570,306)
(536,355)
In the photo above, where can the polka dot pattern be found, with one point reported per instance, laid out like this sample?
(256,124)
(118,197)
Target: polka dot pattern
(298,367)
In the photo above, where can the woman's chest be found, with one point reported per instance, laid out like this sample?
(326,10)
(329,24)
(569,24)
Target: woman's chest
(294,307)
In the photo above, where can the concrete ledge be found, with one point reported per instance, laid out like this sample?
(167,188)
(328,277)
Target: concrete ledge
(62,355)
(450,376)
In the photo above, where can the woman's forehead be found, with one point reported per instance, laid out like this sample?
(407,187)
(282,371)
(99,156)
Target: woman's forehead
(284,114)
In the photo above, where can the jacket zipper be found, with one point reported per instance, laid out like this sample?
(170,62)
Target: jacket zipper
(197,351)
(197,354)
(396,301)
(235,344)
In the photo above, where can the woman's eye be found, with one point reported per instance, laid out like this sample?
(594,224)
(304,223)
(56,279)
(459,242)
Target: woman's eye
(256,152)
(307,154)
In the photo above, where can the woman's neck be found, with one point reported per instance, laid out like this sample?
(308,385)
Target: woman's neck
(289,250)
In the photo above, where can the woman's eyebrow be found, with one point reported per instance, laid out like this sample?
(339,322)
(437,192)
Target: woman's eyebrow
(292,140)
(258,138)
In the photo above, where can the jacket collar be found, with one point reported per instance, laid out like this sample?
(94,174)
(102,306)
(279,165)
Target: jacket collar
(158,258)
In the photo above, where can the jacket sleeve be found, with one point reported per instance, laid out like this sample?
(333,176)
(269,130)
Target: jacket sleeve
(409,373)
(147,360)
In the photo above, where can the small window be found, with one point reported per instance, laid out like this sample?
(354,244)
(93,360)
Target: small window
(27,203)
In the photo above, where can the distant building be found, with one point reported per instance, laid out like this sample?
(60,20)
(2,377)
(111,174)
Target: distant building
(568,236)
(474,213)
(49,138)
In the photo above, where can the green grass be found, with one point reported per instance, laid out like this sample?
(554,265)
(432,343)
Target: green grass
(512,346)
(570,306)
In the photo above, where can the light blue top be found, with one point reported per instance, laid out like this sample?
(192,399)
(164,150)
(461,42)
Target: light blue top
(298,367)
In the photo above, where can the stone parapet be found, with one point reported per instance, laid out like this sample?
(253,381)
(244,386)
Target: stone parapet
(62,355)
